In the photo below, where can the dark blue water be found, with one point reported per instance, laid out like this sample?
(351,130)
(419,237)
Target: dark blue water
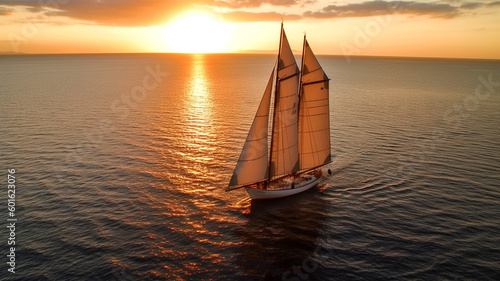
(121,163)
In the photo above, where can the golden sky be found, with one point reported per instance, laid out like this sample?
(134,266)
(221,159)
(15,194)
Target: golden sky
(419,28)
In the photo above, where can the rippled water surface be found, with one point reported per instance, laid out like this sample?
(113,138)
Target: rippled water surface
(121,163)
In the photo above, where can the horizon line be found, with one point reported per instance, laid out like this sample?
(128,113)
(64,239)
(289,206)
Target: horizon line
(247,52)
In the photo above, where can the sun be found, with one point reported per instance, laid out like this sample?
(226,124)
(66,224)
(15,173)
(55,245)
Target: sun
(197,32)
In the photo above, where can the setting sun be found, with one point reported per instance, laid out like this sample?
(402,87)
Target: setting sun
(197,32)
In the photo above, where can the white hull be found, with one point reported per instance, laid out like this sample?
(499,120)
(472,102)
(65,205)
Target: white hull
(287,191)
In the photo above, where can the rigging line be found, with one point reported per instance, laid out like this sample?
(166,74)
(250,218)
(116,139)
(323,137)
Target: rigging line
(283,97)
(317,114)
(318,99)
(310,169)
(311,71)
(229,188)
(287,66)
(262,115)
(315,82)
(300,90)
(288,147)
(288,126)
(253,159)
(289,76)
(259,139)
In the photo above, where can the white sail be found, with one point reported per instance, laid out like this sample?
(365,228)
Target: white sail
(284,154)
(252,165)
(314,113)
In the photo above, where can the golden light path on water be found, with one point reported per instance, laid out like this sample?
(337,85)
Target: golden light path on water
(193,144)
(199,125)
(196,128)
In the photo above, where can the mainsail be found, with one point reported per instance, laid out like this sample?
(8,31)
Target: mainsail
(314,113)
(284,149)
(252,164)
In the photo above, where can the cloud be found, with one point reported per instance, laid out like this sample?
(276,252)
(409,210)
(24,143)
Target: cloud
(234,4)
(471,6)
(157,12)
(113,12)
(371,8)
(474,5)
(241,16)
(491,4)
(5,11)
(144,12)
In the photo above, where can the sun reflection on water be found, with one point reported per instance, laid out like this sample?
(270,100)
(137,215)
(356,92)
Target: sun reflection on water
(189,199)
(198,103)
(197,132)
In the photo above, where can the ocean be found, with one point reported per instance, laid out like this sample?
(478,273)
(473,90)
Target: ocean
(119,164)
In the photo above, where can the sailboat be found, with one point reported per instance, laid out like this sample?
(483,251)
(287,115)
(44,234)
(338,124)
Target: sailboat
(289,140)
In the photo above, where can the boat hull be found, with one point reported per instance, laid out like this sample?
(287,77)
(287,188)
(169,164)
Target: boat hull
(256,194)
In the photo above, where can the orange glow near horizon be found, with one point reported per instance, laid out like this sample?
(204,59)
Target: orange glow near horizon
(197,32)
(171,27)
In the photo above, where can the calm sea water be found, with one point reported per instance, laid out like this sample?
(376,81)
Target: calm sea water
(121,163)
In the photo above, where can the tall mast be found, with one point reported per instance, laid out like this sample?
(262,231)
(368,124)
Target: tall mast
(275,101)
(302,69)
(300,85)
